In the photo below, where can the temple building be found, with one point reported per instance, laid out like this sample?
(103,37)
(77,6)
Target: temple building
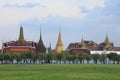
(107,45)
(59,47)
(93,47)
(40,45)
(21,45)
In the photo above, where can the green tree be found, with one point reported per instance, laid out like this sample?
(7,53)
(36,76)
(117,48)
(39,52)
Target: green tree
(1,58)
(95,57)
(12,57)
(74,57)
(59,57)
(49,57)
(41,57)
(6,58)
(18,58)
(81,57)
(88,58)
(68,57)
(118,59)
(112,57)
(34,57)
(103,58)
(24,57)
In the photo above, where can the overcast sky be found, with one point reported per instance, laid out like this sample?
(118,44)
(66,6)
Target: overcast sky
(90,18)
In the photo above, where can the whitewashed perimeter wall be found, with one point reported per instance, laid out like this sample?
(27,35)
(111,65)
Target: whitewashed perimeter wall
(106,52)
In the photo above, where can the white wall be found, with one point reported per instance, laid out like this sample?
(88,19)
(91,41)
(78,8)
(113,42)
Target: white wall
(106,52)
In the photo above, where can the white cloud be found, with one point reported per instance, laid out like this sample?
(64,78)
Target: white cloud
(66,8)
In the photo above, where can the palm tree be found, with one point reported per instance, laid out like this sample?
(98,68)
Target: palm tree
(95,57)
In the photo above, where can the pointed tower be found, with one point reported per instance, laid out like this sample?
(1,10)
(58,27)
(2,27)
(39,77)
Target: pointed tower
(82,43)
(107,40)
(49,49)
(21,36)
(107,44)
(59,46)
(40,46)
(21,40)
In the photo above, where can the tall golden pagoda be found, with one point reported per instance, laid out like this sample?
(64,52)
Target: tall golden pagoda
(82,43)
(59,47)
(21,41)
(107,44)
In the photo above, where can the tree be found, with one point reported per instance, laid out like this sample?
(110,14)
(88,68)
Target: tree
(95,57)
(112,56)
(12,57)
(34,57)
(118,59)
(73,57)
(102,58)
(24,57)
(1,58)
(81,57)
(88,58)
(18,58)
(59,57)
(41,57)
(6,57)
(49,57)
(69,57)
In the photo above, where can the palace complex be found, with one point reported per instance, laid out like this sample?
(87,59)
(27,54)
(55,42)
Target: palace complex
(21,45)
(87,47)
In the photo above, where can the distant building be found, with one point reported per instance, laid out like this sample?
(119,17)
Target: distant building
(19,46)
(40,46)
(94,47)
(59,47)
(79,50)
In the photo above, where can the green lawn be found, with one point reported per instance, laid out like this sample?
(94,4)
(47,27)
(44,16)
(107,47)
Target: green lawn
(60,72)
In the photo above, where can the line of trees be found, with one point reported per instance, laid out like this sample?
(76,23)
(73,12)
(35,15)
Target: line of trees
(61,58)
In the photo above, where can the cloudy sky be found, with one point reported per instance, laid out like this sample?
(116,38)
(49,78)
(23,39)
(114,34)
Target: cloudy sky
(90,18)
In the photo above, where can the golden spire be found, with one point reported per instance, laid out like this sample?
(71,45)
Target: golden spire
(59,47)
(107,39)
(82,43)
(21,36)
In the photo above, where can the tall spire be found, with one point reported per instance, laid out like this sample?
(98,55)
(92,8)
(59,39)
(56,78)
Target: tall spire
(40,46)
(59,46)
(82,43)
(107,39)
(107,44)
(21,36)
(40,34)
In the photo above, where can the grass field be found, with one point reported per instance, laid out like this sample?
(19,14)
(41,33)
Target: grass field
(60,72)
